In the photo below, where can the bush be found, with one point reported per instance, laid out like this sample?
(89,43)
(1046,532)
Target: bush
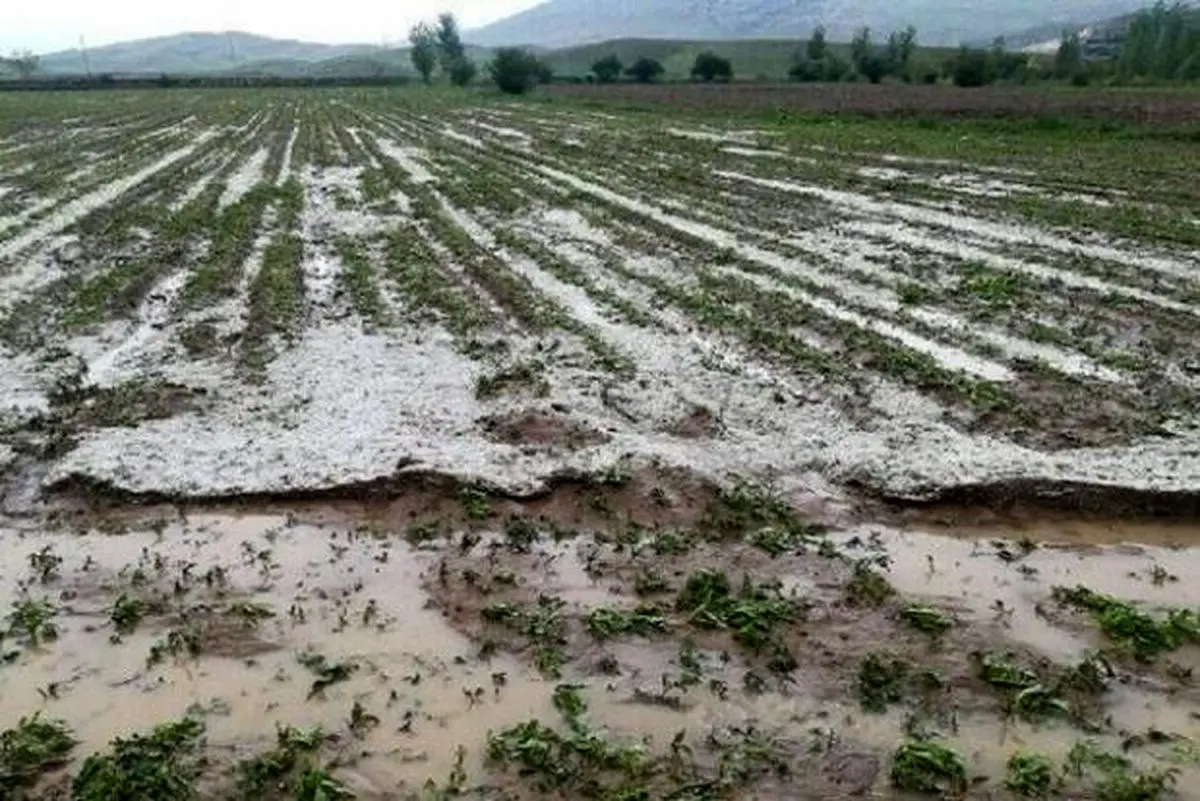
(805,70)
(462,72)
(970,68)
(645,70)
(873,67)
(607,69)
(514,70)
(711,67)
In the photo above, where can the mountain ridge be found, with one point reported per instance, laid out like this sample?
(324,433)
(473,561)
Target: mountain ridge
(562,23)
(194,52)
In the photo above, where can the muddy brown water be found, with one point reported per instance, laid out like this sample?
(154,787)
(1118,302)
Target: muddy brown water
(344,583)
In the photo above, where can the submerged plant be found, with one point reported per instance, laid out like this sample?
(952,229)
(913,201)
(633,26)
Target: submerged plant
(34,747)
(1147,637)
(606,622)
(1030,775)
(160,766)
(751,615)
(927,767)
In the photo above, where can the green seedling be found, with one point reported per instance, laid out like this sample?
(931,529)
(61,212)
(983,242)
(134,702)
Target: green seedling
(33,621)
(250,614)
(751,615)
(160,766)
(671,543)
(867,587)
(274,770)
(327,673)
(529,376)
(186,642)
(749,755)
(520,535)
(361,721)
(476,503)
(881,681)
(606,622)
(318,784)
(570,703)
(1114,778)
(32,749)
(926,619)
(1030,775)
(929,768)
(45,564)
(127,612)
(1147,637)
(542,624)
(747,508)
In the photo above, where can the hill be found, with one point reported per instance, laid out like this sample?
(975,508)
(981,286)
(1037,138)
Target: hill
(561,23)
(194,53)
(376,62)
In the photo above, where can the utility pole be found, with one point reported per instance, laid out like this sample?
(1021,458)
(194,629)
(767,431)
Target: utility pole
(232,49)
(83,55)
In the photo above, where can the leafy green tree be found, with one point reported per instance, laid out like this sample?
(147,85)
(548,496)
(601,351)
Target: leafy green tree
(514,70)
(900,48)
(861,47)
(710,67)
(424,53)
(23,61)
(452,53)
(607,69)
(1068,60)
(449,41)
(1161,43)
(645,70)
(1006,66)
(817,48)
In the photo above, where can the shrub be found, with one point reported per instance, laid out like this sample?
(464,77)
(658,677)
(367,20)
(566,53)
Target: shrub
(462,72)
(645,70)
(711,67)
(970,68)
(514,71)
(607,69)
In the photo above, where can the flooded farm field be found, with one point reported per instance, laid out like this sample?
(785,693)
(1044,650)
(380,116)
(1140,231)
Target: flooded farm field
(383,445)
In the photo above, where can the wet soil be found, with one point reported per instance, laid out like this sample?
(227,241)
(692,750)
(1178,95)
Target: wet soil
(448,616)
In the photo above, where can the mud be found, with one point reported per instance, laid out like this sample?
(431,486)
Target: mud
(397,589)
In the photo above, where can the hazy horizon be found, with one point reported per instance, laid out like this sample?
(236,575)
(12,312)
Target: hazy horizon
(39,26)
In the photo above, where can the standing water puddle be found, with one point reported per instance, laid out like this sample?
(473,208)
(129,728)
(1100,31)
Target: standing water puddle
(266,588)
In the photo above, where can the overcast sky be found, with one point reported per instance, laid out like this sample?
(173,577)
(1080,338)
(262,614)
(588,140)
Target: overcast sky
(48,25)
